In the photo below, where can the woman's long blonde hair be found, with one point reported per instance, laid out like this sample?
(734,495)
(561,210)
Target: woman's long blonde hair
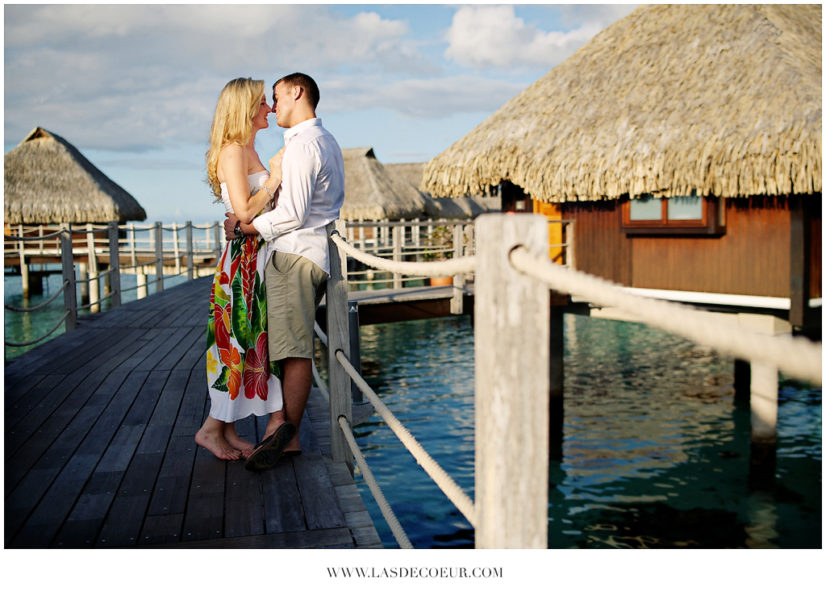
(232,123)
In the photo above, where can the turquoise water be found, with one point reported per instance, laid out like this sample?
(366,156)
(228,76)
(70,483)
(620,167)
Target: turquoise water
(654,453)
(23,327)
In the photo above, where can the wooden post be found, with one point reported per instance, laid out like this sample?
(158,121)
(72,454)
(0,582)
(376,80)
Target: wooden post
(569,245)
(132,247)
(338,339)
(114,264)
(140,277)
(83,281)
(511,361)
(69,295)
(398,238)
(355,347)
(217,236)
(24,268)
(799,254)
(764,384)
(158,257)
(458,297)
(176,251)
(190,252)
(94,282)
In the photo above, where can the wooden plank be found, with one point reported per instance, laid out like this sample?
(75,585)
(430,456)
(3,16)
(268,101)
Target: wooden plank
(317,494)
(244,503)
(40,527)
(339,538)
(172,486)
(86,518)
(71,421)
(282,502)
(161,530)
(204,517)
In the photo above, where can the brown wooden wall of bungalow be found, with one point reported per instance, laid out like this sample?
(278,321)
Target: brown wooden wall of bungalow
(762,246)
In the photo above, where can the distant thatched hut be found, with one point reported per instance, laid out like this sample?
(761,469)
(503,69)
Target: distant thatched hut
(372,193)
(47,180)
(460,207)
(685,142)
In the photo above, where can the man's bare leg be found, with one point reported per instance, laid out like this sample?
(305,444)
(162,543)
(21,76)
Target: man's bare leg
(211,437)
(298,378)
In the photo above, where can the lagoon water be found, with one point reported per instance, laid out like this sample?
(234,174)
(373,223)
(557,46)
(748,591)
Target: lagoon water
(655,452)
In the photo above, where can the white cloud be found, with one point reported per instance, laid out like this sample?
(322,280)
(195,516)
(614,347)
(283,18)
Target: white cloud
(493,36)
(134,76)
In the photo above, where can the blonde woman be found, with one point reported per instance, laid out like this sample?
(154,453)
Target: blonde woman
(240,379)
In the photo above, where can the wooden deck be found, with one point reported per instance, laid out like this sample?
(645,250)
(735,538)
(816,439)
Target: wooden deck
(100,451)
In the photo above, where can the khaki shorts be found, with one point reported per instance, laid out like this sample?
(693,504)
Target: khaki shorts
(295,286)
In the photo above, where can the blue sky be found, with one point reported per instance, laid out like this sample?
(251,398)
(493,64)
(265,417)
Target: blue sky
(133,87)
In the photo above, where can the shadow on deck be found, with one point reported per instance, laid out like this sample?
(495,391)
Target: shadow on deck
(100,451)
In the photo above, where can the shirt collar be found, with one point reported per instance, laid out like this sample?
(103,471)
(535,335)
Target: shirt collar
(291,133)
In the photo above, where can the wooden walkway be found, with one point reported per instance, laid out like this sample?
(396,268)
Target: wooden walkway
(100,451)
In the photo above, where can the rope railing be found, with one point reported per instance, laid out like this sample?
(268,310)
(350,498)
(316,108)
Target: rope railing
(795,356)
(41,305)
(455,266)
(369,479)
(32,342)
(449,487)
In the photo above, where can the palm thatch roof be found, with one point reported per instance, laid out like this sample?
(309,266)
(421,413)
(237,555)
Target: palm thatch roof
(47,180)
(372,193)
(461,207)
(718,99)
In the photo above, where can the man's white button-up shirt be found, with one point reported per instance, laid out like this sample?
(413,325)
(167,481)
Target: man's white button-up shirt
(312,192)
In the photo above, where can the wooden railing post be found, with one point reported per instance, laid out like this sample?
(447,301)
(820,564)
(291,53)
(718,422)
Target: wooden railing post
(338,339)
(114,263)
(398,241)
(511,362)
(158,256)
(69,292)
(458,297)
(94,282)
(190,252)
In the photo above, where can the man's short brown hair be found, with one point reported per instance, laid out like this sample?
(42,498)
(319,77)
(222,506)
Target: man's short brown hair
(298,79)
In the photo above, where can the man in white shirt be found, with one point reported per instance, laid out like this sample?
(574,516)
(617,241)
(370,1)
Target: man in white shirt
(311,195)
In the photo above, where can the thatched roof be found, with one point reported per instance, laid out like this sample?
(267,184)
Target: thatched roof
(47,180)
(372,193)
(721,99)
(461,207)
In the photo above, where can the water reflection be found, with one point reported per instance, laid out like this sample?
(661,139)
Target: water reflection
(654,452)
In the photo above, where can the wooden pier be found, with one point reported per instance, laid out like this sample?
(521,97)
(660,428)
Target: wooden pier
(100,451)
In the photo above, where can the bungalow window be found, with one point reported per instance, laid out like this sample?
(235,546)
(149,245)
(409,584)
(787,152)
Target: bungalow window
(674,215)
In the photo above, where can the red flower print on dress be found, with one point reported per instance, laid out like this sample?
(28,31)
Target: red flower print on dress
(256,369)
(222,326)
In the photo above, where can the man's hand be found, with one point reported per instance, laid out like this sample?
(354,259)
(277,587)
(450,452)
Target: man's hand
(229,226)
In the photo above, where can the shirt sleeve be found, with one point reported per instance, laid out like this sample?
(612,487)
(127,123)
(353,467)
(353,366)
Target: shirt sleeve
(299,172)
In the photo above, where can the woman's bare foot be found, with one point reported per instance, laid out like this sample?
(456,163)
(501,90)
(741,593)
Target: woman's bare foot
(235,441)
(213,440)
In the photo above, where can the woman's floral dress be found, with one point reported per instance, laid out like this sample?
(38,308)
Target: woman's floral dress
(240,377)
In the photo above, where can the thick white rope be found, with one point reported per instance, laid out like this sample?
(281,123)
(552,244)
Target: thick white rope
(450,488)
(794,356)
(369,479)
(386,511)
(455,266)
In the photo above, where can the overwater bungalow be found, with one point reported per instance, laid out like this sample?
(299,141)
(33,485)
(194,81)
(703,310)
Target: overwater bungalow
(372,193)
(48,181)
(684,141)
(460,207)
